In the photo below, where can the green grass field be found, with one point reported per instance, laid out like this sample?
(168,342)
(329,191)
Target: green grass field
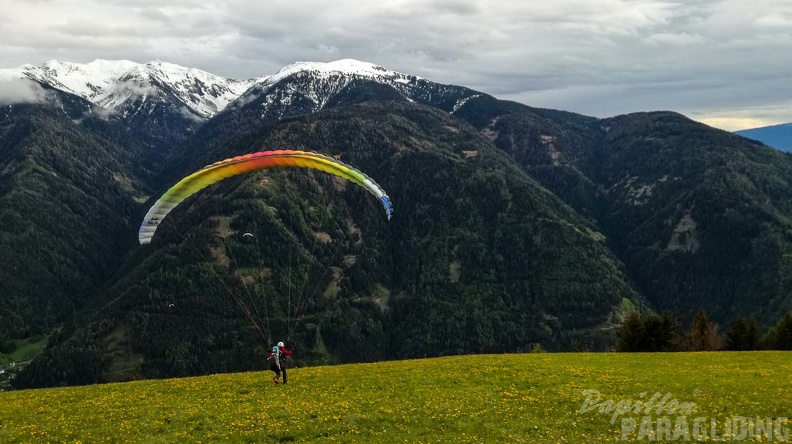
(26,349)
(533,398)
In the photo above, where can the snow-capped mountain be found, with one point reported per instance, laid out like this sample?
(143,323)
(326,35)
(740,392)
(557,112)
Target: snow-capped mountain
(89,81)
(306,87)
(165,103)
(315,83)
(115,84)
(348,67)
(125,88)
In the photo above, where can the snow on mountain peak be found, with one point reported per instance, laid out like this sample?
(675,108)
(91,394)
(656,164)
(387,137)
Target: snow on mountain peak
(343,66)
(115,85)
(85,80)
(111,83)
(310,86)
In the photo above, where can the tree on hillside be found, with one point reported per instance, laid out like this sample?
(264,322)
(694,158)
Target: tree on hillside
(6,344)
(631,335)
(648,333)
(743,335)
(702,335)
(779,337)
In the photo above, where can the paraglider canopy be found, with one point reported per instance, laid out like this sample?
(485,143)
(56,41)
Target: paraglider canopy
(247,235)
(218,171)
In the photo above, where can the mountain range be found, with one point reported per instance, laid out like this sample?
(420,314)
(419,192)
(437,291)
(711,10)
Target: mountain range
(776,136)
(123,87)
(514,225)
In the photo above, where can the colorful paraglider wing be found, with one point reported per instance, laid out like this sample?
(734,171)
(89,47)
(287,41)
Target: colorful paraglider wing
(247,163)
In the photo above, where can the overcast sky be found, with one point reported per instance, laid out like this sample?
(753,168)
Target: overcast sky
(726,63)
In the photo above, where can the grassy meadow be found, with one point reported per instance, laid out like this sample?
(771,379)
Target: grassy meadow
(531,398)
(24,350)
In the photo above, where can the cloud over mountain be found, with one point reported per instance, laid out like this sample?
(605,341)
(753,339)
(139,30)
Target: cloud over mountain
(601,57)
(14,91)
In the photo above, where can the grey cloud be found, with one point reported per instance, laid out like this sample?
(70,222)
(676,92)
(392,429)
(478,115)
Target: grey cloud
(189,4)
(90,28)
(16,91)
(158,15)
(600,57)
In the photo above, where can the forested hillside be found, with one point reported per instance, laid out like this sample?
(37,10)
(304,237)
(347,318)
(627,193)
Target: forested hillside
(478,258)
(513,226)
(67,199)
(701,218)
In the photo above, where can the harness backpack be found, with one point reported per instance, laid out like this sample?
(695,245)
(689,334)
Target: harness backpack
(274,359)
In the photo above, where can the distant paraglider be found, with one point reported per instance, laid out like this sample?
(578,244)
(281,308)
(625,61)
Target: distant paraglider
(234,166)
(250,235)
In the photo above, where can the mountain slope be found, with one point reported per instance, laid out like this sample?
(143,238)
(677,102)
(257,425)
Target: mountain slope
(479,258)
(700,217)
(776,136)
(67,197)
(304,88)
(159,103)
(705,216)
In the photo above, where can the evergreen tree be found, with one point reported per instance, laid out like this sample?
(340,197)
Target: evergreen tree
(631,334)
(6,344)
(779,337)
(736,334)
(752,335)
(743,335)
(648,333)
(662,331)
